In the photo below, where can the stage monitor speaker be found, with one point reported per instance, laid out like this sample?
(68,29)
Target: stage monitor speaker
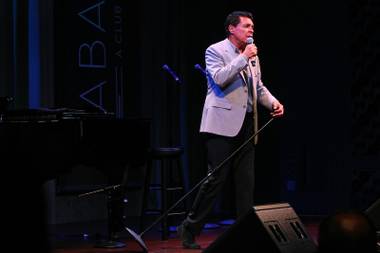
(269,228)
(373,212)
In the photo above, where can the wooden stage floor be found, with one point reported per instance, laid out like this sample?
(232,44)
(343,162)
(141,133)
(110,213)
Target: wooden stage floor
(83,238)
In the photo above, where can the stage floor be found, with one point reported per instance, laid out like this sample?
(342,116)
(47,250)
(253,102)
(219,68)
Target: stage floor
(85,237)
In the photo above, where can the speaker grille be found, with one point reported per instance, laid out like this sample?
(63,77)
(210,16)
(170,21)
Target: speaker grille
(273,228)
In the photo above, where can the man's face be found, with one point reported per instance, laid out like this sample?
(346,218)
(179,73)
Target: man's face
(243,30)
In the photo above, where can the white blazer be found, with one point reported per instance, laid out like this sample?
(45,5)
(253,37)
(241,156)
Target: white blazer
(227,93)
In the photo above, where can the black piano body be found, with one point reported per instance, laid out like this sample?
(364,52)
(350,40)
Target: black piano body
(48,143)
(38,145)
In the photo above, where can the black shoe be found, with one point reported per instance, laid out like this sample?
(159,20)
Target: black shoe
(188,239)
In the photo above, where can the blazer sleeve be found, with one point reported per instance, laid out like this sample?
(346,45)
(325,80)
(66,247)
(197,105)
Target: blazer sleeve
(220,70)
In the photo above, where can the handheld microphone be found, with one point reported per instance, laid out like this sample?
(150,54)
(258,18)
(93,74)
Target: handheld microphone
(250,41)
(171,72)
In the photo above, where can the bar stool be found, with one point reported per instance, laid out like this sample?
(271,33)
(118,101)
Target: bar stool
(170,185)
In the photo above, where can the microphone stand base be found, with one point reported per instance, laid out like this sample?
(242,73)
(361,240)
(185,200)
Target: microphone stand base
(138,239)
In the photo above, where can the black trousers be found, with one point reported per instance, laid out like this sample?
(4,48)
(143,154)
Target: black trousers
(241,167)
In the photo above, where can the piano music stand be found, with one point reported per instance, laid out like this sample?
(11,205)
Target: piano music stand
(109,243)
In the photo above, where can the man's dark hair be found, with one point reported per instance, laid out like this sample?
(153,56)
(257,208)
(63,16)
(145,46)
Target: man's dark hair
(234,18)
(347,231)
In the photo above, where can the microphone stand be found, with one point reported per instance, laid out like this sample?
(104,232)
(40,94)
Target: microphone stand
(110,242)
(138,237)
(104,189)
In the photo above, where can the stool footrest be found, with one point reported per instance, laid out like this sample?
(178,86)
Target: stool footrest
(157,187)
(152,211)
(178,188)
(154,188)
(178,213)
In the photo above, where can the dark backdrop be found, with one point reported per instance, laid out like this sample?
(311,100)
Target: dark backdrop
(319,58)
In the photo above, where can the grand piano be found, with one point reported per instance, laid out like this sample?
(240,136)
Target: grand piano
(39,145)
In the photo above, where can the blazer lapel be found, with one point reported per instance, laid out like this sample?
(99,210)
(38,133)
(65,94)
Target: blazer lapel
(244,77)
